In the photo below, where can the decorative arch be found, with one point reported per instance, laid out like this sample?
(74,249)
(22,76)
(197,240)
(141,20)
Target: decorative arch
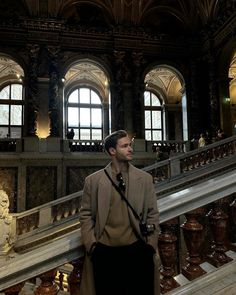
(227,87)
(168,84)
(11,97)
(87,74)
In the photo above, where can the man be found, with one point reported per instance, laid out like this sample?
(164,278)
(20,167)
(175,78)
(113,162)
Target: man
(120,260)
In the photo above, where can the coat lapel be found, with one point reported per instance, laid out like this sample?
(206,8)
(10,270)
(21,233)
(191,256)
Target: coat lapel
(135,186)
(104,198)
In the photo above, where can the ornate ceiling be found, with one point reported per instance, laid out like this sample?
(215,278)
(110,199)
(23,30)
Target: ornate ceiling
(162,16)
(168,17)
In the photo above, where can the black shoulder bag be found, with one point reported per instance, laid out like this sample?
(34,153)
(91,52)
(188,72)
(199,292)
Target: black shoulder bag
(145,228)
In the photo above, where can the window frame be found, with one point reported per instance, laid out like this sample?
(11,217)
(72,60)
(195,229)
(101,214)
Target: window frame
(13,102)
(152,109)
(78,128)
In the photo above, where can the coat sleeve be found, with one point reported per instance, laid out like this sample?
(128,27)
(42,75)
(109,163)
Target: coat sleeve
(87,217)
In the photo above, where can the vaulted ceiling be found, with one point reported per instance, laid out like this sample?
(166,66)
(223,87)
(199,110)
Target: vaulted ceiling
(162,16)
(168,17)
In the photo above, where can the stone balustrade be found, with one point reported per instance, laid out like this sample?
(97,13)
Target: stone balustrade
(203,212)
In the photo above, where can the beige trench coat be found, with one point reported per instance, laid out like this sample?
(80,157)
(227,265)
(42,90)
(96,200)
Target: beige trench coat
(95,208)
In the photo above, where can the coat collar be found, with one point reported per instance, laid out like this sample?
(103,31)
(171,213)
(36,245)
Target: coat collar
(133,176)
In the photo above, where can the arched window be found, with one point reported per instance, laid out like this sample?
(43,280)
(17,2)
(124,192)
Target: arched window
(153,117)
(11,111)
(84,114)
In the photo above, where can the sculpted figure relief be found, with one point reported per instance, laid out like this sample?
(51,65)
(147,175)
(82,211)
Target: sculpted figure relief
(6,238)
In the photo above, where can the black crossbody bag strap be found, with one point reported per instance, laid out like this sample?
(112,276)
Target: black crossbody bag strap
(122,196)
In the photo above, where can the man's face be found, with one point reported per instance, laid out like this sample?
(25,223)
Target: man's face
(124,150)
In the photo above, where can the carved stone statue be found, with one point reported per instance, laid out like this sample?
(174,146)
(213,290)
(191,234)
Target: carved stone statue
(6,238)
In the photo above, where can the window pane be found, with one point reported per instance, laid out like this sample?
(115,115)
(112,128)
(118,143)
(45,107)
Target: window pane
(16,115)
(16,91)
(155,100)
(156,135)
(73,118)
(5,93)
(148,135)
(85,134)
(84,117)
(84,95)
(96,134)
(147,98)
(95,98)
(74,97)
(156,119)
(15,132)
(4,114)
(96,117)
(3,132)
(147,119)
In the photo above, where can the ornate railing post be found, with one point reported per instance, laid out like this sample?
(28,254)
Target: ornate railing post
(74,278)
(14,290)
(48,285)
(218,223)
(167,248)
(193,236)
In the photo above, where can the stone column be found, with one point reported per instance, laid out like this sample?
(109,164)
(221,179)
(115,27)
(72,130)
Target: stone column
(31,86)
(43,122)
(213,94)
(227,111)
(138,95)
(117,95)
(193,109)
(106,119)
(54,84)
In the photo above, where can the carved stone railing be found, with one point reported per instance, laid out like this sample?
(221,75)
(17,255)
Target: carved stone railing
(191,166)
(211,202)
(54,214)
(170,172)
(86,146)
(170,146)
(58,222)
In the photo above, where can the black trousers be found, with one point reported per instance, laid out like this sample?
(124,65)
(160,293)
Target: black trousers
(126,270)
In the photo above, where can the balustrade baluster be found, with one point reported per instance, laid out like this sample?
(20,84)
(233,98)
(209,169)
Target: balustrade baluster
(218,223)
(48,285)
(60,278)
(196,161)
(193,236)
(14,290)
(167,248)
(74,278)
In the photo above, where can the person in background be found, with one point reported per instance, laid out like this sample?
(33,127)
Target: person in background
(201,141)
(220,134)
(70,135)
(121,250)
